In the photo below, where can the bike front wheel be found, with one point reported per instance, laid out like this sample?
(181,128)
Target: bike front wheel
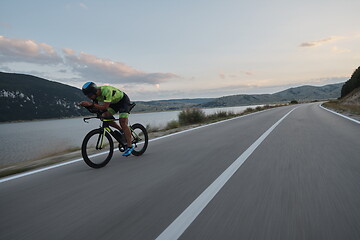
(140,139)
(97,148)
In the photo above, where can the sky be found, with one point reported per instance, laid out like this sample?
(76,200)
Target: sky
(171,49)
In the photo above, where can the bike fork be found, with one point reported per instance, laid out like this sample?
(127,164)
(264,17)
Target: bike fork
(100,141)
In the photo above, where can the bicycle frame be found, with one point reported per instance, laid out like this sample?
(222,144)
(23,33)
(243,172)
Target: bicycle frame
(106,128)
(101,137)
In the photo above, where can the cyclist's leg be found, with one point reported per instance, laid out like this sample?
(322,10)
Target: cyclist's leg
(124,109)
(124,121)
(113,124)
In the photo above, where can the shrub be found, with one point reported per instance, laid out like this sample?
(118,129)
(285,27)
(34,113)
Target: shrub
(152,128)
(221,114)
(249,110)
(171,125)
(191,116)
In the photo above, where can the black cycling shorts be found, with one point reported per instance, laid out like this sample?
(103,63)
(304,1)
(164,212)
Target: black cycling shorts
(123,106)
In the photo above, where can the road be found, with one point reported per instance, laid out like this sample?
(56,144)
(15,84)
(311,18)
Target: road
(286,173)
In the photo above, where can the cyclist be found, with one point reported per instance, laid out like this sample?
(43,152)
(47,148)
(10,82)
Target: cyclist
(113,100)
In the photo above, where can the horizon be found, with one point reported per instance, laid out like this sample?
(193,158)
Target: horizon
(171,99)
(182,50)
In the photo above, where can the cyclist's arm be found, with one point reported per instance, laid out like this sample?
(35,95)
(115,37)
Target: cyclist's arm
(104,106)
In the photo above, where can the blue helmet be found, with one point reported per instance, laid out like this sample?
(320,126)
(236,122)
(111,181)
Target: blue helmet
(89,89)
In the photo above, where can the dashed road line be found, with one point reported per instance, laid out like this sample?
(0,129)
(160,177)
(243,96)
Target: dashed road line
(183,221)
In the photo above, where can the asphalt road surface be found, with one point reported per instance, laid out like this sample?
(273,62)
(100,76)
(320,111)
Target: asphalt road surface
(286,173)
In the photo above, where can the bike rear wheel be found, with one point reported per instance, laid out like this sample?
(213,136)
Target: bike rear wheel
(97,149)
(140,139)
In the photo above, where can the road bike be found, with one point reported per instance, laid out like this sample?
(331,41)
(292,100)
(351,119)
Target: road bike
(98,146)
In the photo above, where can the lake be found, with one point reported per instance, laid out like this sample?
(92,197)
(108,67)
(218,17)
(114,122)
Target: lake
(25,141)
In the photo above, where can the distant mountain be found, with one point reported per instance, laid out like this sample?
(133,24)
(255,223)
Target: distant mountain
(303,93)
(169,105)
(25,97)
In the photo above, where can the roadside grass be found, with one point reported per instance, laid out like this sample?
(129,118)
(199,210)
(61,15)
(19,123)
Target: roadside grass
(196,116)
(342,108)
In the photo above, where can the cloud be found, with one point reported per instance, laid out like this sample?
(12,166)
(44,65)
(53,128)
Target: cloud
(340,50)
(84,66)
(105,70)
(234,76)
(248,73)
(5,25)
(85,60)
(83,5)
(326,80)
(76,5)
(320,42)
(24,50)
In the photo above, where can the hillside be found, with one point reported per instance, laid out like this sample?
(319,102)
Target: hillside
(349,103)
(351,84)
(303,93)
(350,92)
(25,97)
(353,98)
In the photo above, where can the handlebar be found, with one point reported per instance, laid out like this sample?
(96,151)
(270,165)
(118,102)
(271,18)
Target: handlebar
(88,118)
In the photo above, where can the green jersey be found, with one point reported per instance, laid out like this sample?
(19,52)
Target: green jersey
(110,94)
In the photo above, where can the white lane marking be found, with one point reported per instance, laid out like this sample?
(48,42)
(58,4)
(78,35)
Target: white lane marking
(349,118)
(5,179)
(183,221)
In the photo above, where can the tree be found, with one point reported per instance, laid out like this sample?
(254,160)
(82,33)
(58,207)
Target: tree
(352,83)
